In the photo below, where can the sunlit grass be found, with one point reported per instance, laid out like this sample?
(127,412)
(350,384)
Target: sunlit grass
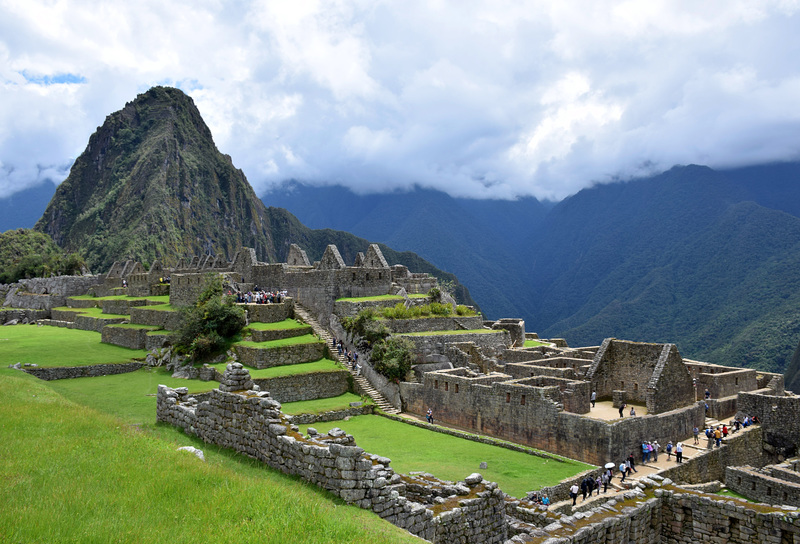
(342,402)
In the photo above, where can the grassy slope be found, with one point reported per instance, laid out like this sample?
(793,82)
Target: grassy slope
(451,458)
(72,474)
(56,347)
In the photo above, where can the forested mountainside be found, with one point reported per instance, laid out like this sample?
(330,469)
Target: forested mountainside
(702,258)
(151,184)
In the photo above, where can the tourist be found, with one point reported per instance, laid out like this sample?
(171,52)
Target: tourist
(605,480)
(597,483)
(623,468)
(718,436)
(645,453)
(679,452)
(708,394)
(669,450)
(585,487)
(695,432)
(724,431)
(632,462)
(545,501)
(594,398)
(633,411)
(655,447)
(621,408)
(573,492)
(429,416)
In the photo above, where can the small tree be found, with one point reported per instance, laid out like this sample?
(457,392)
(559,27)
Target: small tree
(393,357)
(211,324)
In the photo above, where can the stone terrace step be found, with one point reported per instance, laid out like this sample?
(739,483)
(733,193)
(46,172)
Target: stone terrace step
(363,384)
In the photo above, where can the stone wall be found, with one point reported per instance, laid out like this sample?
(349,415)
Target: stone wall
(127,337)
(400,326)
(47,293)
(278,356)
(253,425)
(333,415)
(528,413)
(21,315)
(270,313)
(162,319)
(762,487)
(318,385)
(780,420)
(89,371)
(433,349)
(279,334)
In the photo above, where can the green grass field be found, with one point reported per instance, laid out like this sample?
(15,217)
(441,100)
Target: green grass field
(74,474)
(57,347)
(378,297)
(323,365)
(438,333)
(286,324)
(295,340)
(321,405)
(534,343)
(161,299)
(92,312)
(451,458)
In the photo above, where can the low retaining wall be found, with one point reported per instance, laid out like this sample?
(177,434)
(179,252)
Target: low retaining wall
(279,334)
(423,324)
(253,425)
(433,349)
(90,371)
(96,324)
(333,415)
(318,385)
(22,314)
(121,306)
(82,303)
(279,356)
(161,319)
(126,337)
(269,313)
(156,341)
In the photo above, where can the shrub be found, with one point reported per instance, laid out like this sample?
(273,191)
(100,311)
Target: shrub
(210,325)
(393,357)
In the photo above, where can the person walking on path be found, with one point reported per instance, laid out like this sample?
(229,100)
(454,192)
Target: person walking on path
(623,468)
(594,398)
(631,462)
(655,446)
(669,450)
(696,432)
(573,492)
(679,452)
(605,483)
(621,409)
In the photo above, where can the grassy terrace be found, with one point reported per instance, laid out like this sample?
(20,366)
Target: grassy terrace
(323,365)
(101,480)
(535,343)
(450,458)
(162,307)
(135,326)
(58,347)
(341,402)
(305,339)
(280,325)
(92,312)
(164,299)
(443,333)
(378,297)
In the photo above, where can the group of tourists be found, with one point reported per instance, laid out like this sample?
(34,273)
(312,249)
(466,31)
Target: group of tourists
(258,296)
(590,484)
(350,355)
(650,450)
(622,407)
(541,500)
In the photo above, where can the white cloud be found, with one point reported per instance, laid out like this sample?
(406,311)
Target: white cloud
(476,98)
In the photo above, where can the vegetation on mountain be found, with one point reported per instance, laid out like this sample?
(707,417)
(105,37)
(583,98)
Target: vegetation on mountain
(151,184)
(28,254)
(211,325)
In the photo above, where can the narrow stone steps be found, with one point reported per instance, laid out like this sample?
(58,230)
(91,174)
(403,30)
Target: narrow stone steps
(363,384)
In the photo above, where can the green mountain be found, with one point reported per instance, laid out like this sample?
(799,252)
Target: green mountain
(151,184)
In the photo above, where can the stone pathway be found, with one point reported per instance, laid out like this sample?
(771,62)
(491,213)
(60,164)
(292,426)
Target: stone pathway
(363,384)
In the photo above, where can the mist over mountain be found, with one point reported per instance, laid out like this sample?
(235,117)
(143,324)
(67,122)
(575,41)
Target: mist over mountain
(702,258)
(151,184)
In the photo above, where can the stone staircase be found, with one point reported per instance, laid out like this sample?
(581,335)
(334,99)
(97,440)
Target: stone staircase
(362,383)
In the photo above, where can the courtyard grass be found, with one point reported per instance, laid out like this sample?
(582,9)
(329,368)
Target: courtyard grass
(93,312)
(450,458)
(59,347)
(318,406)
(379,298)
(535,343)
(73,474)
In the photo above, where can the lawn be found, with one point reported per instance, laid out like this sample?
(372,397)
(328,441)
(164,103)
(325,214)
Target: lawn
(323,365)
(341,402)
(93,312)
(74,474)
(162,299)
(378,298)
(535,343)
(450,458)
(286,324)
(58,347)
(295,340)
(442,333)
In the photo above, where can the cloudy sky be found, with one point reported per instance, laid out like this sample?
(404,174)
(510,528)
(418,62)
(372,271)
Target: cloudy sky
(484,99)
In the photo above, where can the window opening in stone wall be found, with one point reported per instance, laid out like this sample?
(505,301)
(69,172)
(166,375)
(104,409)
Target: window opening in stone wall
(436,386)
(367,276)
(636,387)
(752,485)
(622,386)
(354,276)
(740,480)
(456,388)
(522,400)
(737,381)
(508,397)
(769,492)
(687,528)
(446,386)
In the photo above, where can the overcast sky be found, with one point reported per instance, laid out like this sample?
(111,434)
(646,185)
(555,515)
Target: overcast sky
(484,99)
